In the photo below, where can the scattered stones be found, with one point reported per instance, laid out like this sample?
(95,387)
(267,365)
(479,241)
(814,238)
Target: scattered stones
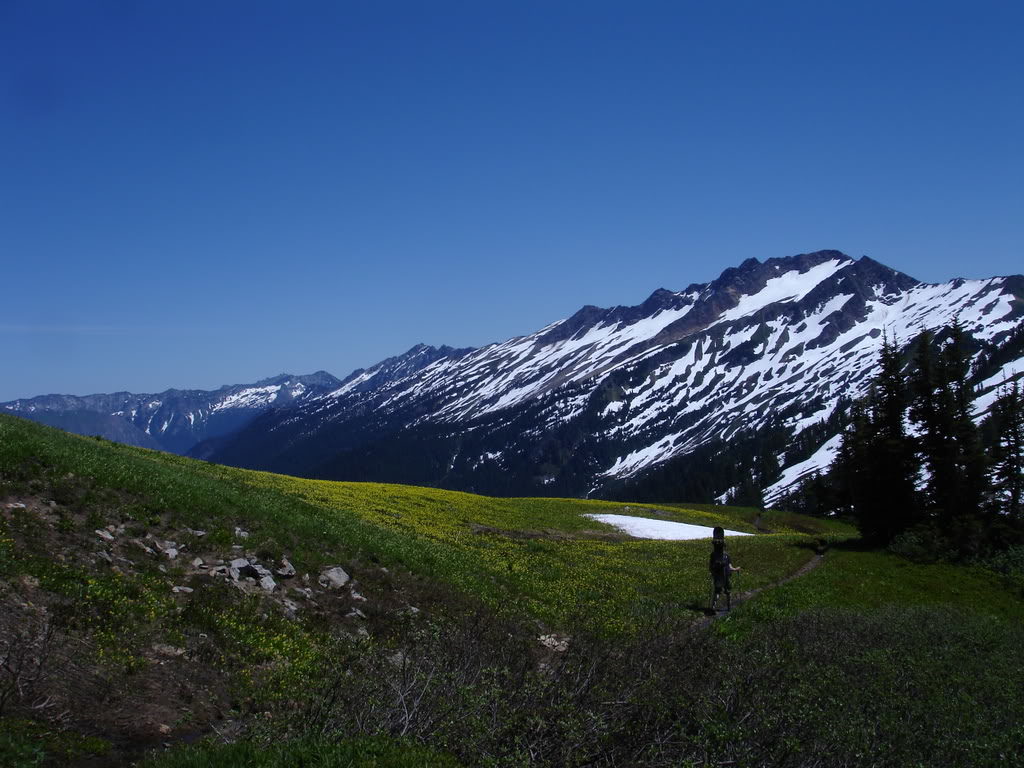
(105,535)
(306,592)
(556,643)
(334,578)
(143,546)
(241,534)
(287,570)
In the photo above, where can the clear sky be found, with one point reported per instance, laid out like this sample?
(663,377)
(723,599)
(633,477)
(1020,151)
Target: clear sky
(198,193)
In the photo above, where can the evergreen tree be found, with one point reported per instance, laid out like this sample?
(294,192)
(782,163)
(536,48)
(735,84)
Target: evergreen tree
(894,460)
(1007,472)
(950,446)
(876,469)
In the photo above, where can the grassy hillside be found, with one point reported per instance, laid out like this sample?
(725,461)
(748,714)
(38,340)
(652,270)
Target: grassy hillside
(473,630)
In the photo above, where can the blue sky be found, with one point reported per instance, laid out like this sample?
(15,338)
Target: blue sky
(200,193)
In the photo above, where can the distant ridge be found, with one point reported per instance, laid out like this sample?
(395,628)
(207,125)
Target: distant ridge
(174,420)
(750,372)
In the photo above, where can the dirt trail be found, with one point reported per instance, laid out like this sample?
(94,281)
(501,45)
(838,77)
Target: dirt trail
(741,597)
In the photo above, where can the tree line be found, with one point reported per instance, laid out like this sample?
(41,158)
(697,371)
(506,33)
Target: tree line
(913,462)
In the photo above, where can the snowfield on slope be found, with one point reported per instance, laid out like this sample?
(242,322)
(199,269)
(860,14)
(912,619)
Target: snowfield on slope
(666,530)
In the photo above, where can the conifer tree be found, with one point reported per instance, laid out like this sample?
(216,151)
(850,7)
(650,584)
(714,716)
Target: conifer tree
(876,468)
(950,446)
(1007,473)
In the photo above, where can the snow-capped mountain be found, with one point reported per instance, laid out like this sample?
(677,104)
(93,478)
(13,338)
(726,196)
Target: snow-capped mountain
(174,420)
(607,397)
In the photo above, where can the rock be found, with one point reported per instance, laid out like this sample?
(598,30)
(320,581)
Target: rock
(240,563)
(105,535)
(186,590)
(198,563)
(287,570)
(306,592)
(355,613)
(171,553)
(164,729)
(219,570)
(268,584)
(291,608)
(105,556)
(556,643)
(112,528)
(357,596)
(16,505)
(168,650)
(142,545)
(241,534)
(334,578)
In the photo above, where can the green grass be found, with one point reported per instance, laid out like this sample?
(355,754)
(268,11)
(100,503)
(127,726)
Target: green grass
(309,753)
(561,577)
(869,581)
(28,744)
(844,661)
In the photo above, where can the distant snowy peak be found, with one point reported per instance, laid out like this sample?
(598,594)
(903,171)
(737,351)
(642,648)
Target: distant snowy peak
(176,419)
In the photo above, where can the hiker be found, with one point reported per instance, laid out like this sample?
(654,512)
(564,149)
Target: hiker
(721,568)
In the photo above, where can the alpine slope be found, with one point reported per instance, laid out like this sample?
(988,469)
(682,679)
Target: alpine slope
(606,397)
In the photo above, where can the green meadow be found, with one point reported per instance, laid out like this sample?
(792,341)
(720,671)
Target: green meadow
(432,654)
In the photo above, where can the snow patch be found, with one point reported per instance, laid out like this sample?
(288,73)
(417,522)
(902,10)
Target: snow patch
(666,530)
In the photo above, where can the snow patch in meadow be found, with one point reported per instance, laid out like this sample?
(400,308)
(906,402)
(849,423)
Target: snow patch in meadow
(647,528)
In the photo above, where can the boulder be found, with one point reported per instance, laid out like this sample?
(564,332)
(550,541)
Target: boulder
(556,643)
(334,578)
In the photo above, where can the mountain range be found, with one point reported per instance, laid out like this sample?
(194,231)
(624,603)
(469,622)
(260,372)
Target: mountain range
(690,392)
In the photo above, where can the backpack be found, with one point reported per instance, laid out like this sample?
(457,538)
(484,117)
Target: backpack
(720,564)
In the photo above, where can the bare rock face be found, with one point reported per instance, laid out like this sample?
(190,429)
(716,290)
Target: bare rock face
(334,578)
